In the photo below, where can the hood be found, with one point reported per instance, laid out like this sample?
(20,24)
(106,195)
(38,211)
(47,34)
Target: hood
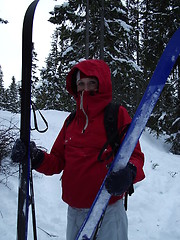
(88,106)
(91,68)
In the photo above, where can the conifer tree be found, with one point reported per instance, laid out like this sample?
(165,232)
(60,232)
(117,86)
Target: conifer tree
(134,47)
(173,111)
(70,19)
(51,93)
(2,90)
(160,22)
(34,78)
(12,97)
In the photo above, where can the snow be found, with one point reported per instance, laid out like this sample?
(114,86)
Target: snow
(153,210)
(123,60)
(69,49)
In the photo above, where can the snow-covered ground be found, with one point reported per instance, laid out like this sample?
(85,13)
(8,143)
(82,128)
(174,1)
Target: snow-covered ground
(153,210)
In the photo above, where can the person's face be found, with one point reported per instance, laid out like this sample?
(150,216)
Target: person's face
(87,84)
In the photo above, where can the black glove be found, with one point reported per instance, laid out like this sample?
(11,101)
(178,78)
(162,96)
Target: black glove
(19,151)
(118,182)
(37,155)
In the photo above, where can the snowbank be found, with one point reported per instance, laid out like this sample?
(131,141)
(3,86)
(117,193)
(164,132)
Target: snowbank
(153,210)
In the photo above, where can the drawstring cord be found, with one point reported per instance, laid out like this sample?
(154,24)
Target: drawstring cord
(82,108)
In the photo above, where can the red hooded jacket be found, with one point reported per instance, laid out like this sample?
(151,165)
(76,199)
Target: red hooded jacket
(77,146)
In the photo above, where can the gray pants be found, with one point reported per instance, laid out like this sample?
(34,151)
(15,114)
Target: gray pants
(114,225)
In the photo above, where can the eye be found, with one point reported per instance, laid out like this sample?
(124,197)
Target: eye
(80,83)
(92,82)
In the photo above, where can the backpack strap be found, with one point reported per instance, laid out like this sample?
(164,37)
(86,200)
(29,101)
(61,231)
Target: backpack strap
(114,135)
(111,124)
(70,118)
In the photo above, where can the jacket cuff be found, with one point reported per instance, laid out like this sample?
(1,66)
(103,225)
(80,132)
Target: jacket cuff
(36,162)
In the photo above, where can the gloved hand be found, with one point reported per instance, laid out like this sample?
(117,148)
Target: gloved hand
(37,155)
(118,182)
(19,151)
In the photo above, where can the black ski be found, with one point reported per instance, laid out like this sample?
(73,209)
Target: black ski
(24,168)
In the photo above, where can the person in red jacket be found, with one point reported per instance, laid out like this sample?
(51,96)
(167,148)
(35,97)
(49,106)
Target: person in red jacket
(76,149)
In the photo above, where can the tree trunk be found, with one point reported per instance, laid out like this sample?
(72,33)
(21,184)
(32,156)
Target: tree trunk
(102,31)
(87,29)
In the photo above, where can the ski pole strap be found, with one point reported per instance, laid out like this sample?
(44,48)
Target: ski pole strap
(129,192)
(34,108)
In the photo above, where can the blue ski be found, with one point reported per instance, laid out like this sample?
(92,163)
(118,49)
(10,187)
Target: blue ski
(144,110)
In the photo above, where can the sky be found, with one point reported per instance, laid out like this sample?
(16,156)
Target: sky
(11,34)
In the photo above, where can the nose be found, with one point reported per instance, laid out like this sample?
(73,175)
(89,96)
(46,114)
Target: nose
(86,87)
